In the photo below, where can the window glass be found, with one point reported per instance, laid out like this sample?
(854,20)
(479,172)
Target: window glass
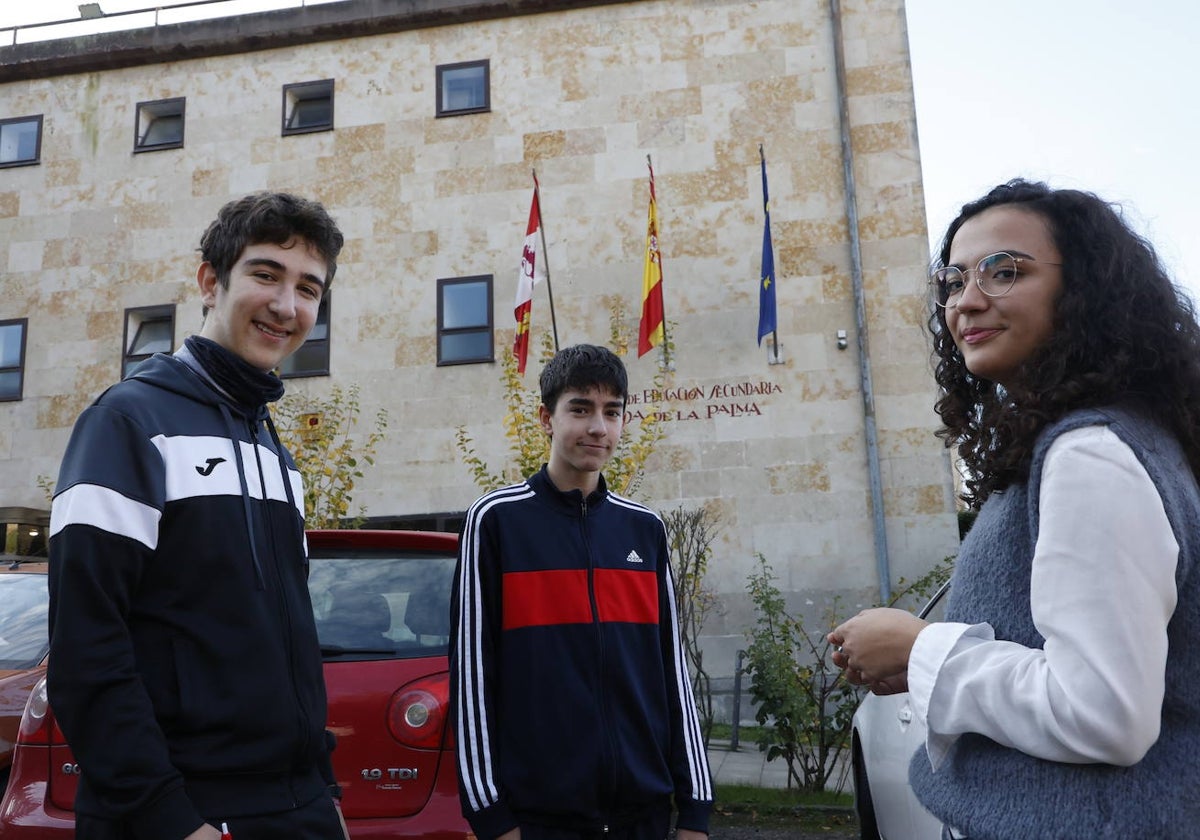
(12,358)
(19,140)
(310,112)
(380,602)
(10,385)
(11,340)
(308,106)
(463,88)
(164,130)
(465,346)
(465,320)
(153,336)
(159,125)
(312,357)
(464,305)
(148,330)
(24,609)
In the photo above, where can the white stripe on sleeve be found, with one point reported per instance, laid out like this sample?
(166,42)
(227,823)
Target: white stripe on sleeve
(106,509)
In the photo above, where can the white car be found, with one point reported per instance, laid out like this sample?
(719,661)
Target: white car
(884,737)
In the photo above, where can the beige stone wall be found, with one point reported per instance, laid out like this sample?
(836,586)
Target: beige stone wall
(583,96)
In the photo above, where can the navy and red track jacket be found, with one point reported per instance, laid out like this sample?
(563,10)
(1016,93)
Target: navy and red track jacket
(573,706)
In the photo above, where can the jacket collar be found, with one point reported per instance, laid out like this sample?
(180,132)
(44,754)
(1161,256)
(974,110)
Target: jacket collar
(568,500)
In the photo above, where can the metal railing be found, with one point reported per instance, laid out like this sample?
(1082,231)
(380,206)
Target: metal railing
(93,19)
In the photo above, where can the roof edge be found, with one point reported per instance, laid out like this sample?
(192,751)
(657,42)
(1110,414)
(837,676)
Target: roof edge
(254,32)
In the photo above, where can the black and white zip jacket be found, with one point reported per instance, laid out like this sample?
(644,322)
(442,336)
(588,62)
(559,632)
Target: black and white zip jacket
(184,668)
(573,706)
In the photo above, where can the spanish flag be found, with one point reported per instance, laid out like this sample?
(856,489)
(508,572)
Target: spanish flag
(651,332)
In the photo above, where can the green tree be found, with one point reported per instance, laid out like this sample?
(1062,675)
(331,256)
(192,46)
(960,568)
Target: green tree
(319,432)
(805,707)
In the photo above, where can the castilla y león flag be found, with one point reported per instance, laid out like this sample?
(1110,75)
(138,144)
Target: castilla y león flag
(524,303)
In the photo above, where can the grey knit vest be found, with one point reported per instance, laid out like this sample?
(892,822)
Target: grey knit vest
(991,792)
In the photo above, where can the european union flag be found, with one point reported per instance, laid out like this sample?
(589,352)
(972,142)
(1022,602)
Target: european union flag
(766,287)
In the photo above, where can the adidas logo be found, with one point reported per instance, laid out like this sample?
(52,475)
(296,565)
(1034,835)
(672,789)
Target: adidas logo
(632,557)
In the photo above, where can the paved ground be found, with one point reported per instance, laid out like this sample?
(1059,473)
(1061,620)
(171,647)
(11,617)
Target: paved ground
(746,766)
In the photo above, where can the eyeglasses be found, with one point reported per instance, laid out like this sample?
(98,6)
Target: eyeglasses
(995,275)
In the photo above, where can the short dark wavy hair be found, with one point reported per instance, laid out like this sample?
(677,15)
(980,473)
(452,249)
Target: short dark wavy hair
(272,218)
(1123,333)
(583,366)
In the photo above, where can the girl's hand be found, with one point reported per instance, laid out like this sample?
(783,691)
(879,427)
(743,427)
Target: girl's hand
(873,647)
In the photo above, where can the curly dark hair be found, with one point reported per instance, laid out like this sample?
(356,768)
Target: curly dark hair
(1123,333)
(274,218)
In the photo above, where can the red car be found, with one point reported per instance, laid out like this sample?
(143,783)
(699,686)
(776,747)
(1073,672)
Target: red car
(24,604)
(382,605)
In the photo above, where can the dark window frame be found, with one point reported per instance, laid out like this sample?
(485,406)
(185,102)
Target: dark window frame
(37,151)
(486,64)
(139,316)
(489,327)
(293,95)
(322,344)
(19,367)
(155,109)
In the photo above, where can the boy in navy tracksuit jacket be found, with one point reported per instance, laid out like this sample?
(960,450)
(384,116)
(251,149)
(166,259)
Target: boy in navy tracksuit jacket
(184,664)
(574,715)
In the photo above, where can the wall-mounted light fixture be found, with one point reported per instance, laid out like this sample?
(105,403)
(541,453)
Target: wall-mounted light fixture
(841,339)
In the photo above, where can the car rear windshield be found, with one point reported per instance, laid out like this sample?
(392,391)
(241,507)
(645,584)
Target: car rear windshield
(381,603)
(24,613)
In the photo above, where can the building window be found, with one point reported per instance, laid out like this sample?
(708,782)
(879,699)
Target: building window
(159,125)
(20,141)
(464,315)
(308,106)
(148,330)
(312,357)
(12,358)
(463,88)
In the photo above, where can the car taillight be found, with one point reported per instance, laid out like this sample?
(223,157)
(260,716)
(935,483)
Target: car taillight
(37,723)
(417,712)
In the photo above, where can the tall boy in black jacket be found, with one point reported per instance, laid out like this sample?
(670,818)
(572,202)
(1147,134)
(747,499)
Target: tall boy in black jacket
(574,717)
(184,664)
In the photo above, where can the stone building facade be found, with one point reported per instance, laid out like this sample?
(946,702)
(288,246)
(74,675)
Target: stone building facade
(97,232)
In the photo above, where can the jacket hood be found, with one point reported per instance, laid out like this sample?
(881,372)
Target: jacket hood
(172,373)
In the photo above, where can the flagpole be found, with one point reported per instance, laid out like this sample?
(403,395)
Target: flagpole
(537,190)
(666,344)
(775,332)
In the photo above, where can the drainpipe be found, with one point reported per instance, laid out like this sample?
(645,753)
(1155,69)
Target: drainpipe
(860,313)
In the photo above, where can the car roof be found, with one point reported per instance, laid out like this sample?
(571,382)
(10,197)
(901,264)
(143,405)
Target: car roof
(437,541)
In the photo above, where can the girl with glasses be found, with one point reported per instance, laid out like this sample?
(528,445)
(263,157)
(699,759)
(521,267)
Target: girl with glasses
(1062,693)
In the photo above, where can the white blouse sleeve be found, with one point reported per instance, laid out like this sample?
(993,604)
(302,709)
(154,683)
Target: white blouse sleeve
(1102,592)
